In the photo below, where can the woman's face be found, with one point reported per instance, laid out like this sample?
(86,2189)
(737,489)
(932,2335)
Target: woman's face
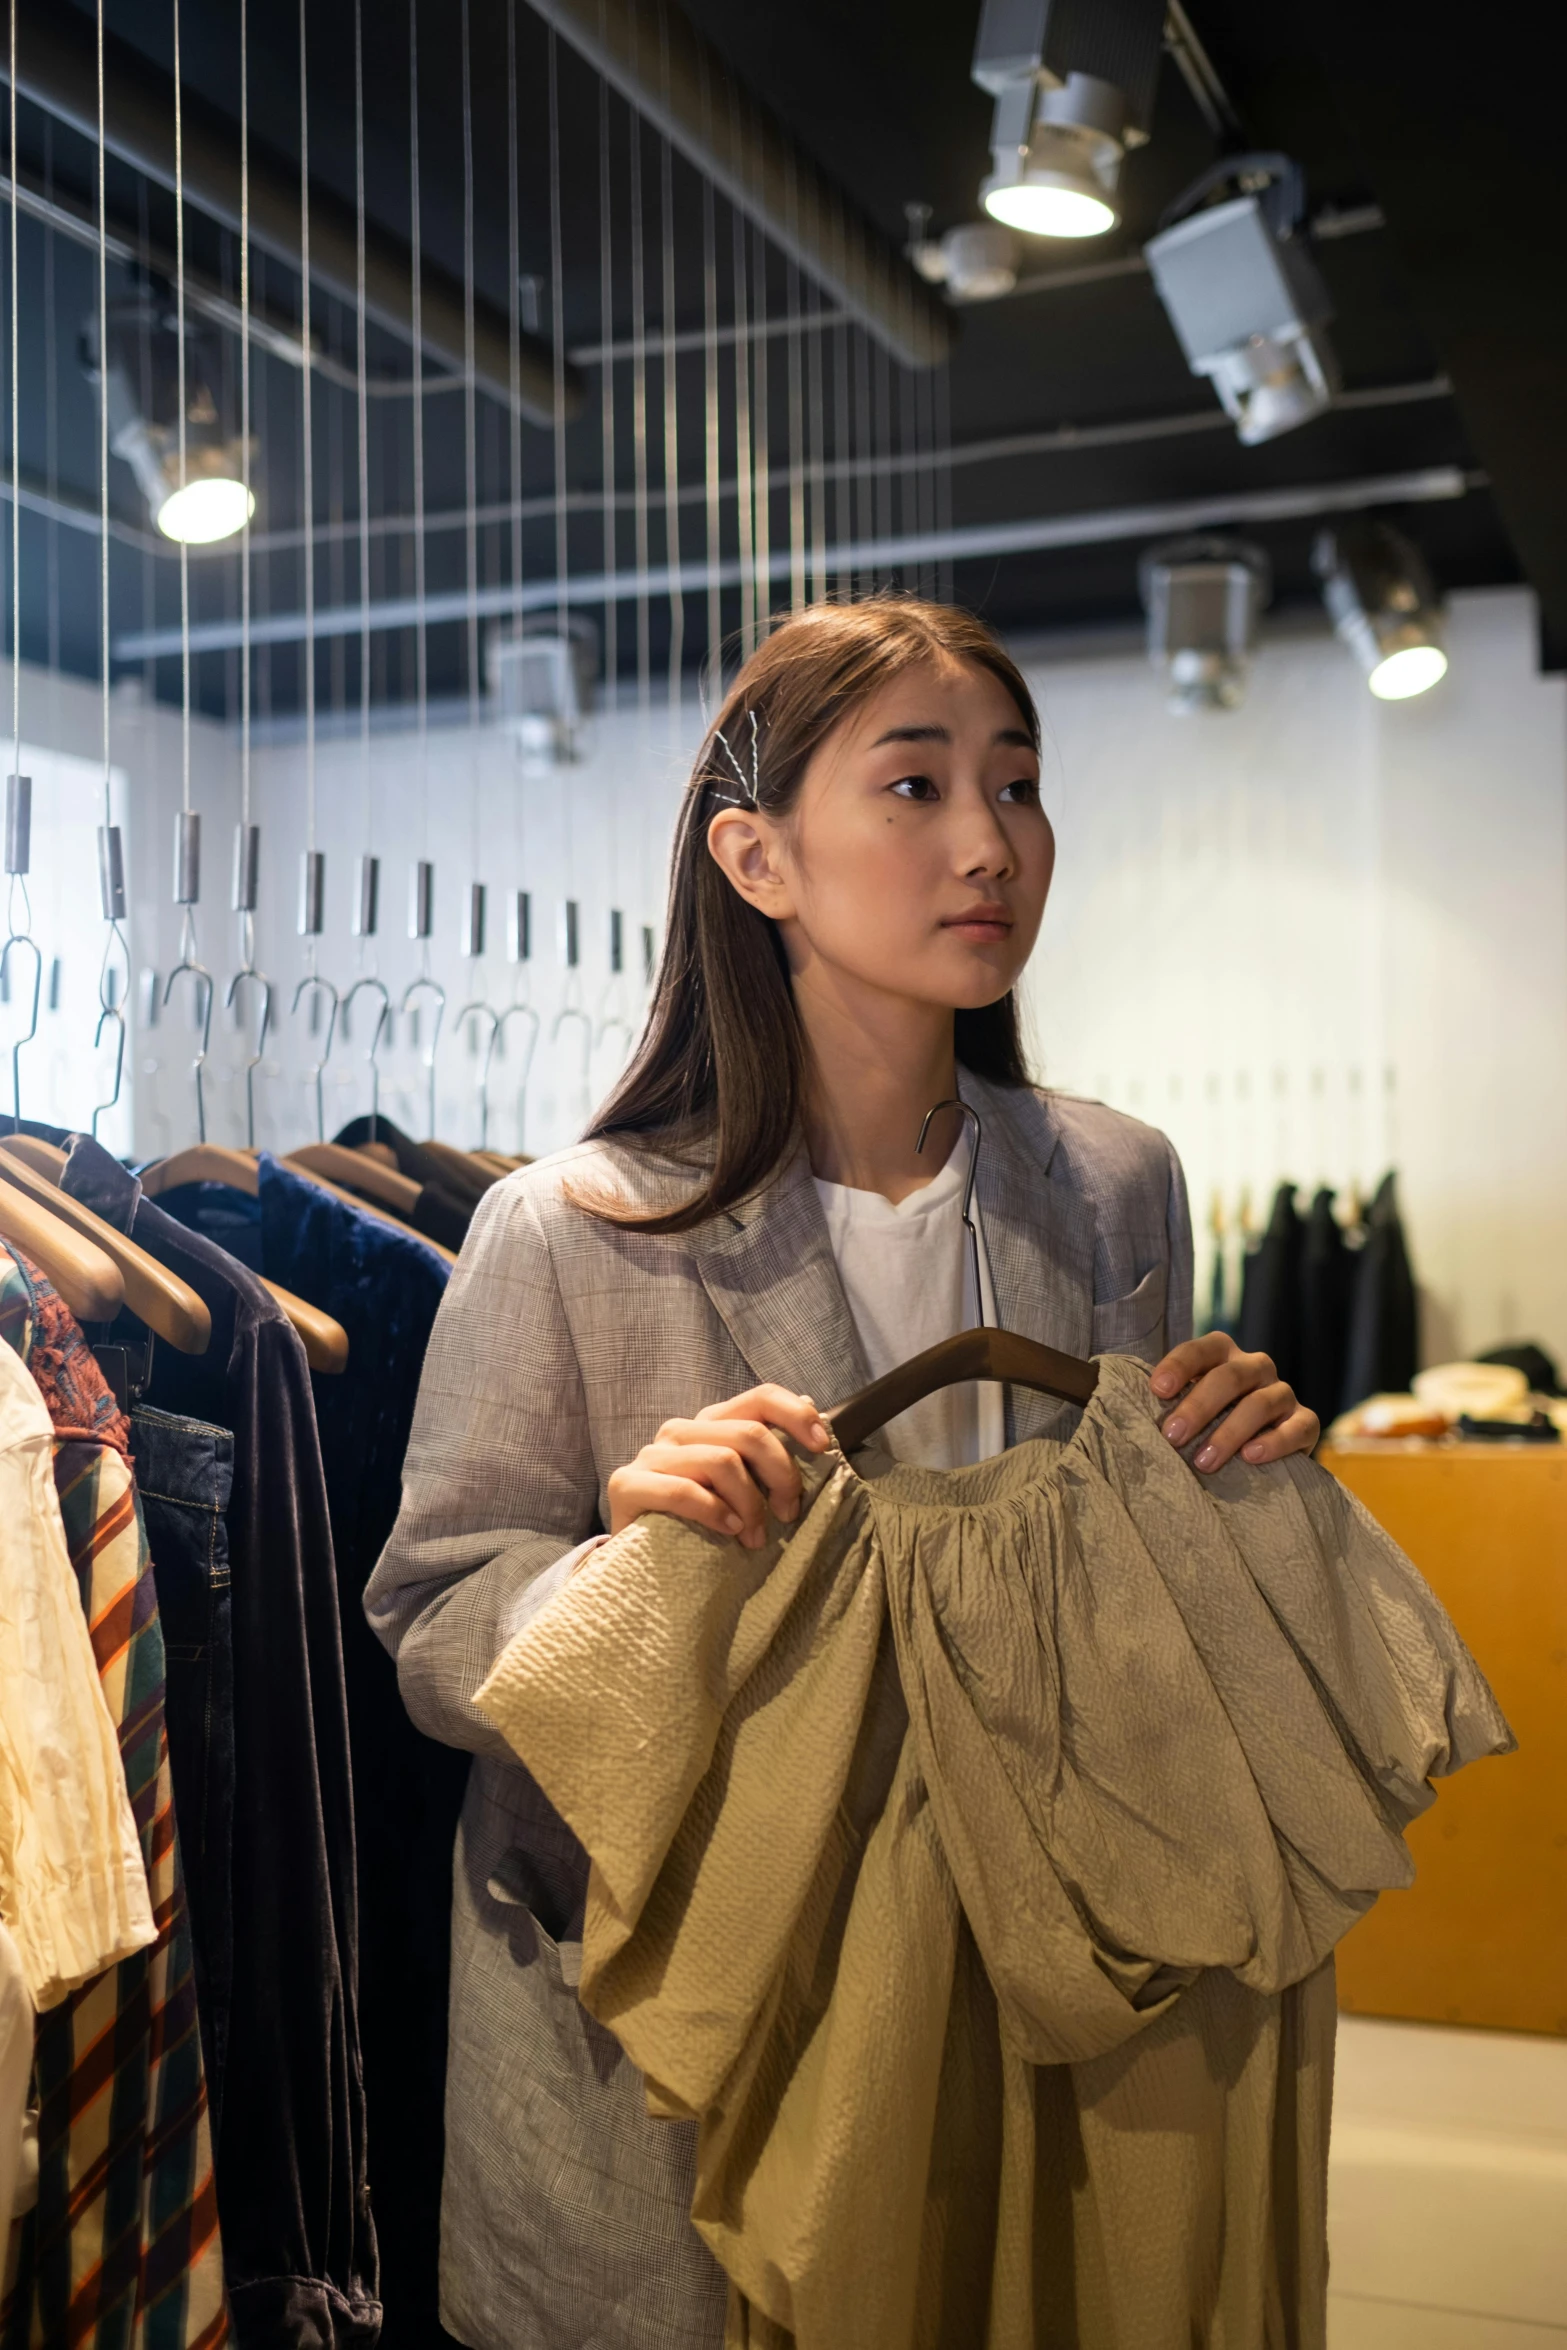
(917,858)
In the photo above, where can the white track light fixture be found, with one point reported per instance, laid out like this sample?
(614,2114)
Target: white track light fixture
(1202,596)
(1073,82)
(1383,604)
(1244,296)
(542,680)
(144,427)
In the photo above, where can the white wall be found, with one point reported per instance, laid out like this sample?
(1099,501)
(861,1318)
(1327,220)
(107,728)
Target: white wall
(1315,936)
(1321,935)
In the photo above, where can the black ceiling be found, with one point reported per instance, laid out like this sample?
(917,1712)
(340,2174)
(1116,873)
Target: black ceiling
(1463,283)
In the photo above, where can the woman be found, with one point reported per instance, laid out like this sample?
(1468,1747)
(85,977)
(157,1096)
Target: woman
(647,1321)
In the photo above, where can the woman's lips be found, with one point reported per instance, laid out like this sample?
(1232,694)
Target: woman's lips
(984,924)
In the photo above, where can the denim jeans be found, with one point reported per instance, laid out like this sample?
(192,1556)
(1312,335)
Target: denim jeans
(185,1469)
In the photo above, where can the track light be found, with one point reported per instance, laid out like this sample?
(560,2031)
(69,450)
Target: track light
(542,678)
(1073,83)
(212,501)
(1202,596)
(1244,296)
(1383,604)
(976,262)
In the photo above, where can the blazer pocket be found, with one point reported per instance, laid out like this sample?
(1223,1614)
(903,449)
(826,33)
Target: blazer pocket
(508,1885)
(1134,1324)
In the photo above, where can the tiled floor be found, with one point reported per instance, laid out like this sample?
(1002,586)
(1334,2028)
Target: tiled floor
(1448,2203)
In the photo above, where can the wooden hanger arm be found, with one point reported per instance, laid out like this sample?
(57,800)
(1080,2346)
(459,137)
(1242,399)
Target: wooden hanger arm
(168,1305)
(204,1162)
(972,1354)
(45,1158)
(355,1172)
(325,1341)
(89,1281)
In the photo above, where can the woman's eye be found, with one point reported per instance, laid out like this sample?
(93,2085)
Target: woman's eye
(915,787)
(1022,793)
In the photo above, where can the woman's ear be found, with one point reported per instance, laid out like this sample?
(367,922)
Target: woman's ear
(745,847)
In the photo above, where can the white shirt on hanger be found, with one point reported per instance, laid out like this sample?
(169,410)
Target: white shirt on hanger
(908,1274)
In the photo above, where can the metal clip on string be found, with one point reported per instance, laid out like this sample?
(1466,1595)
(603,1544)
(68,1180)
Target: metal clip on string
(18,857)
(977,1136)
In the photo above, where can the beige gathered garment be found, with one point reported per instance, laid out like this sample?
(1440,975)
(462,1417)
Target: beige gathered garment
(968,1862)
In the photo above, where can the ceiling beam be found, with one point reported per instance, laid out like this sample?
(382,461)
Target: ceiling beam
(56,67)
(678,82)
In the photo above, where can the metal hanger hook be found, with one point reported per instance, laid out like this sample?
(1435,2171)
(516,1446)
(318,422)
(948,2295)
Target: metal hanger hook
(369,979)
(313,979)
(259,979)
(204,994)
(21,938)
(977,1136)
(425,985)
(110,1012)
(512,1012)
(478,1008)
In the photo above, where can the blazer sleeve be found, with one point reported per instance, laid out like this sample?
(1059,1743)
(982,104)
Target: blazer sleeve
(1178,1314)
(499,1484)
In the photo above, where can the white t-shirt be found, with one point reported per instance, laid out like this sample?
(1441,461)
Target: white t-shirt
(909,1279)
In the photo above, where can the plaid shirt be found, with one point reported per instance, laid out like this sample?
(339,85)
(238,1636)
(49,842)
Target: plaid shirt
(121,2251)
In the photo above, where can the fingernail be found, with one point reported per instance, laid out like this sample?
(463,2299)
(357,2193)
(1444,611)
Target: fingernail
(787,1511)
(1208,1458)
(1164,1383)
(1251,1452)
(731,1523)
(820,1434)
(1177,1431)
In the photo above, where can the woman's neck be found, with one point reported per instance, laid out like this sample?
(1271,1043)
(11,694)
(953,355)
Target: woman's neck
(874,1072)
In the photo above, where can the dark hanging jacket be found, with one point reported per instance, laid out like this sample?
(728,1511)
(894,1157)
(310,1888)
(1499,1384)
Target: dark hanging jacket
(298,2241)
(1327,1274)
(1270,1297)
(1383,1323)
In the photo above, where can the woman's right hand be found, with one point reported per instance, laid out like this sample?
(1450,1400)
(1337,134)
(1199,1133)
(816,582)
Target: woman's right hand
(724,1469)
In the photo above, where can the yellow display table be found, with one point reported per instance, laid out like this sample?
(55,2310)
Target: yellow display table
(1481,1938)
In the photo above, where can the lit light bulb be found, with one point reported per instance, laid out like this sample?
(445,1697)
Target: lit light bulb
(1412,670)
(209,508)
(1040,208)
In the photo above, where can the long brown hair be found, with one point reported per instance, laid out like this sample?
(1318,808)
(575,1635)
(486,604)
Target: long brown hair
(718,1079)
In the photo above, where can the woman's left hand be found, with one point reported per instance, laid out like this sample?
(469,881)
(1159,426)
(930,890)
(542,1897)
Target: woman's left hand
(1262,1419)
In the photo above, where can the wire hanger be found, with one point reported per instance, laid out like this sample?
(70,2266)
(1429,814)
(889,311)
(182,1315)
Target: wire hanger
(982,1353)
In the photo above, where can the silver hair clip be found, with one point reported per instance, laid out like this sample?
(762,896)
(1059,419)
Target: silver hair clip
(750,785)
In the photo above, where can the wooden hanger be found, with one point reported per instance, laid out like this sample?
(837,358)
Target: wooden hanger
(325,1341)
(448,1256)
(168,1305)
(85,1276)
(973,1354)
(355,1171)
(982,1353)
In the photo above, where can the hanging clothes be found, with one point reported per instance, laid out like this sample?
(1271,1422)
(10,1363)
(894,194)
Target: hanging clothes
(1384,1349)
(299,2240)
(1269,1320)
(122,2245)
(451,1182)
(1327,1274)
(384,1287)
(968,1863)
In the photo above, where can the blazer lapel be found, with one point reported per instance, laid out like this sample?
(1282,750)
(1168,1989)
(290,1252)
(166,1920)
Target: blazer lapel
(768,1270)
(1039,1237)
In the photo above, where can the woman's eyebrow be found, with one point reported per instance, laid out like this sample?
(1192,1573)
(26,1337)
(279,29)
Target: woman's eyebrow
(1016,735)
(913,734)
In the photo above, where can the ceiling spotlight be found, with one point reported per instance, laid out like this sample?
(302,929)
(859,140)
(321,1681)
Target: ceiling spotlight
(1202,596)
(1244,296)
(1383,604)
(542,678)
(1073,83)
(976,262)
(211,500)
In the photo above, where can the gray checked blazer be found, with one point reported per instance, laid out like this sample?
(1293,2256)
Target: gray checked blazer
(560,1347)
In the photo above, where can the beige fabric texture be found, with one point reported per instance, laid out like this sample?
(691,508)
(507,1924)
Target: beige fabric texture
(968,1863)
(73,1889)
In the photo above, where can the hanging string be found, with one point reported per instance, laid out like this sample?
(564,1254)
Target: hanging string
(558,332)
(306,453)
(361,356)
(744,481)
(16,454)
(103,431)
(816,454)
(639,421)
(843,476)
(607,458)
(796,399)
(677,601)
(470,453)
(943,471)
(179,311)
(244,428)
(864,478)
(711,450)
(761,350)
(421,624)
(514,421)
(924,443)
